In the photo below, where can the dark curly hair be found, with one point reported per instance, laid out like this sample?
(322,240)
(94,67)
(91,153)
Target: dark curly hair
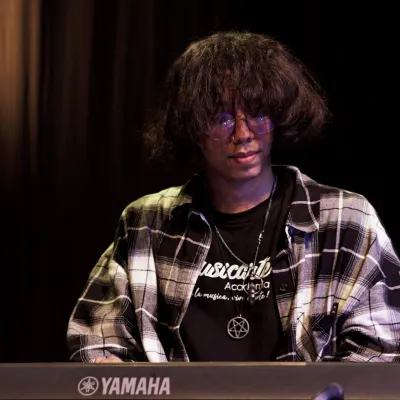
(260,75)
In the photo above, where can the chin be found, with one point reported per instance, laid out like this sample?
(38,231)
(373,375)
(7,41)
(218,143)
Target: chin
(245,173)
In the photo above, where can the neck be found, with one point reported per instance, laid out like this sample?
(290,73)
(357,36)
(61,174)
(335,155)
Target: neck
(231,196)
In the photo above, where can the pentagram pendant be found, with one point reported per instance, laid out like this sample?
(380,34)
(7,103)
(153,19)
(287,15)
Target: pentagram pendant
(238,327)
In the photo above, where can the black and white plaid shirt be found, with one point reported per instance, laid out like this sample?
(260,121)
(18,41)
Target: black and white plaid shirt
(338,293)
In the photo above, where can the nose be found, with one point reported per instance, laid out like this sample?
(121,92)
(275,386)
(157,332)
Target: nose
(242,134)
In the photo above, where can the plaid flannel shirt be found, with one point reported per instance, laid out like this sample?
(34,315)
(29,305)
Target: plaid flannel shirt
(338,291)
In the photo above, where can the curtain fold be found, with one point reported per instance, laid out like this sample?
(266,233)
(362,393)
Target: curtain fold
(19,90)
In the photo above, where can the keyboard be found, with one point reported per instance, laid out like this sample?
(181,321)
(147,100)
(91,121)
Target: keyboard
(269,381)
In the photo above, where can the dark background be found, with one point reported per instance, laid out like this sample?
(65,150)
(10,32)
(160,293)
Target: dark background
(77,78)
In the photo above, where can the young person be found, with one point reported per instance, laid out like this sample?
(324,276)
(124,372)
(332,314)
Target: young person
(247,261)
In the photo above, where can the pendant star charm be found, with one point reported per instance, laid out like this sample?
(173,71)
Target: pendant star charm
(238,327)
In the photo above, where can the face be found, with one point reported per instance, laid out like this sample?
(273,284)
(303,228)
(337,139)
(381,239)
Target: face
(242,155)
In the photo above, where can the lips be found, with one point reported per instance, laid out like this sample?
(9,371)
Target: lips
(244,155)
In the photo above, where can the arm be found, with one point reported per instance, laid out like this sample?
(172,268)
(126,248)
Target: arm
(103,322)
(368,328)
(372,331)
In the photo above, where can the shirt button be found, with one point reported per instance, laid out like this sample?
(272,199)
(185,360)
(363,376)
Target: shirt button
(283,287)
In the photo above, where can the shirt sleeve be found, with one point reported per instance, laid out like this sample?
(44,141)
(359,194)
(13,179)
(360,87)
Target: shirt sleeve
(103,322)
(369,328)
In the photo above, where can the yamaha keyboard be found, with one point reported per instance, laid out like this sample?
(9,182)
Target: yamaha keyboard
(278,381)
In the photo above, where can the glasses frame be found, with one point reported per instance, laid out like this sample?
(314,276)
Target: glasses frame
(248,127)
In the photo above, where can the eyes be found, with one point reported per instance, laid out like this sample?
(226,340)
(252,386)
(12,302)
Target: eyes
(224,125)
(226,120)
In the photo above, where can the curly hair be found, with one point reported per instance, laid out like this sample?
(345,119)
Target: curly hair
(259,73)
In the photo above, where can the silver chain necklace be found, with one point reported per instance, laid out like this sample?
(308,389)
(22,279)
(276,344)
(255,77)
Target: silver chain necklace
(238,327)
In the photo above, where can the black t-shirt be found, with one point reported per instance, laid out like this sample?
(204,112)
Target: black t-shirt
(221,291)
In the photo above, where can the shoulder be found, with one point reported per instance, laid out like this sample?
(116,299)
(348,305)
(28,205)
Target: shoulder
(347,208)
(335,205)
(165,200)
(152,208)
(334,197)
(350,223)
(344,199)
(347,219)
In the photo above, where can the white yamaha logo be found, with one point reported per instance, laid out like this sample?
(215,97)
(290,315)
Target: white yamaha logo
(88,386)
